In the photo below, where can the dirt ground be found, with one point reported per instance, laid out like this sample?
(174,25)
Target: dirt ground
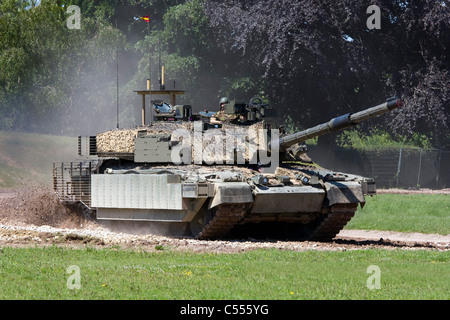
(414,191)
(35,217)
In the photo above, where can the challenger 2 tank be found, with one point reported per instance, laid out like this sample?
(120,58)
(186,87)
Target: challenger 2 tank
(209,175)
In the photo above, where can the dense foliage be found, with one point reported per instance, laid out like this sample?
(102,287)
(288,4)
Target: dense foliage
(321,59)
(52,77)
(311,59)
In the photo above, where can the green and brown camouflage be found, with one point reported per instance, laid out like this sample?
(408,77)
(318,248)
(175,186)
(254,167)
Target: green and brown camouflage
(130,175)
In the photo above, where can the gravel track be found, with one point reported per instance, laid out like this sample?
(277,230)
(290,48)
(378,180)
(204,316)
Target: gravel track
(34,217)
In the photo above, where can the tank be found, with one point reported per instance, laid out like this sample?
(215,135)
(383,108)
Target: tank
(209,175)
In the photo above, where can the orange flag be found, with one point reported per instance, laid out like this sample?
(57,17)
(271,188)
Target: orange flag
(145,18)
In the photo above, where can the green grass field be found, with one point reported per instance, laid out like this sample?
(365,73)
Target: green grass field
(425,213)
(263,274)
(114,273)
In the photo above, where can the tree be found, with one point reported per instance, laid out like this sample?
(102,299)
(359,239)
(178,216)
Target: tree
(312,59)
(54,79)
(321,60)
(181,40)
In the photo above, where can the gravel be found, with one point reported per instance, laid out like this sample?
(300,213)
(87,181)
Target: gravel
(34,217)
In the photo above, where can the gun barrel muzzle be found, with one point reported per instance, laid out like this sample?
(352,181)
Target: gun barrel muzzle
(339,123)
(375,111)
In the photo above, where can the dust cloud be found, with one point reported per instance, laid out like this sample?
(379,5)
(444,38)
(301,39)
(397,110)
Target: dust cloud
(39,206)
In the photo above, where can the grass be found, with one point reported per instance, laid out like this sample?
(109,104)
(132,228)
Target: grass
(423,213)
(35,273)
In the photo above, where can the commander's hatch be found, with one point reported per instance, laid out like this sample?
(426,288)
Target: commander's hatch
(162,92)
(172,94)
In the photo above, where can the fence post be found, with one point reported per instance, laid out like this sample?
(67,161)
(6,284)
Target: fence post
(420,166)
(399,165)
(438,168)
(371,162)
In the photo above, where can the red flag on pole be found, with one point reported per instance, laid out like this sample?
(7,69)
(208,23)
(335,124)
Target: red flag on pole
(145,18)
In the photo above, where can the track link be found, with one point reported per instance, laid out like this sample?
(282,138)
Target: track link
(334,222)
(225,218)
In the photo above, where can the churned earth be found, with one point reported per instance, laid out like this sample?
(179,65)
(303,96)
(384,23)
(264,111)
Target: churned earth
(35,217)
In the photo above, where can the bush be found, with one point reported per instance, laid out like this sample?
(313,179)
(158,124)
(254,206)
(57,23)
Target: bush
(381,139)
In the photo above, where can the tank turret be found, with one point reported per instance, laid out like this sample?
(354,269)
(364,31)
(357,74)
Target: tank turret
(235,131)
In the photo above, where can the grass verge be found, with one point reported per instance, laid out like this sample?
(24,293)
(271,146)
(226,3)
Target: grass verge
(422,213)
(44,273)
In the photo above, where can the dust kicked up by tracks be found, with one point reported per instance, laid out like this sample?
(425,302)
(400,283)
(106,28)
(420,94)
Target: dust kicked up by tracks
(34,217)
(37,206)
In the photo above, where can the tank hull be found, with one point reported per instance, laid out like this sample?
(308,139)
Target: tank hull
(213,202)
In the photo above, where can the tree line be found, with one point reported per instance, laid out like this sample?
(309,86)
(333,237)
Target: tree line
(312,60)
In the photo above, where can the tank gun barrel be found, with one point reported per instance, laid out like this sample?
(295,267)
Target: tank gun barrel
(339,123)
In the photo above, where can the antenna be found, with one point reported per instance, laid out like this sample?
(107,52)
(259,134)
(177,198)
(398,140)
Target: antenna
(160,70)
(117,78)
(149,56)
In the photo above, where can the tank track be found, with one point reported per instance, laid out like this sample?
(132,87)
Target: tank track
(334,222)
(228,215)
(224,219)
